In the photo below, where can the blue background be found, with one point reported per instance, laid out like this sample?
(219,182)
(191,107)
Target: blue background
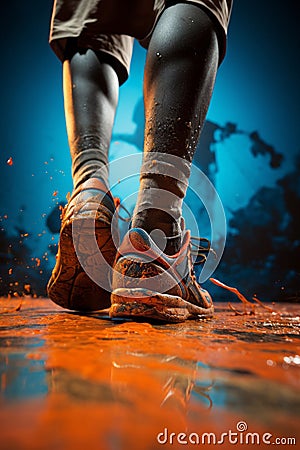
(256,90)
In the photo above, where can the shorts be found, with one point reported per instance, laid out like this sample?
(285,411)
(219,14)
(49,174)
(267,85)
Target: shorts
(110,26)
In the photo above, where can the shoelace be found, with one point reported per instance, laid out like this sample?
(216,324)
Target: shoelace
(117,203)
(199,250)
(118,206)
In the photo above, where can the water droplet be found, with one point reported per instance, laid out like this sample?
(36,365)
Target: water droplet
(271,363)
(293,360)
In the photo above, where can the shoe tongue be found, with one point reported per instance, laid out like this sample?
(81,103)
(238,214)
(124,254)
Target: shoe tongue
(139,239)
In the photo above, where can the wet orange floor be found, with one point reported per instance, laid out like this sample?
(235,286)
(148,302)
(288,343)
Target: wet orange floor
(71,381)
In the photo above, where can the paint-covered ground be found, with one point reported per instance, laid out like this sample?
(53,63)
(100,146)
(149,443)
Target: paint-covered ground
(71,381)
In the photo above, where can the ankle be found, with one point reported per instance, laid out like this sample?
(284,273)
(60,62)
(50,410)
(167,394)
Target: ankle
(163,229)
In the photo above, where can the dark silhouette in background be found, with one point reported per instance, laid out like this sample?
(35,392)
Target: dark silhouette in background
(263,244)
(211,134)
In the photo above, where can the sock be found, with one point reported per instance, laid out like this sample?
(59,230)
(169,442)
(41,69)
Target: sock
(163,185)
(89,161)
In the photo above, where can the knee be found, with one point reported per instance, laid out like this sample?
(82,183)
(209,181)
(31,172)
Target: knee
(184,31)
(92,75)
(86,65)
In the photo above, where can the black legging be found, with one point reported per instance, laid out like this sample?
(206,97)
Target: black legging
(180,70)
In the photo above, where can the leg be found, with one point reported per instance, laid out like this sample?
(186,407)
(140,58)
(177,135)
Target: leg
(179,77)
(81,277)
(91,90)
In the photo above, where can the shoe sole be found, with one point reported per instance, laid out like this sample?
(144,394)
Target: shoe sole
(146,304)
(69,286)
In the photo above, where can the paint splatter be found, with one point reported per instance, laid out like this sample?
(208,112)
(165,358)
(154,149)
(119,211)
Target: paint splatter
(246,303)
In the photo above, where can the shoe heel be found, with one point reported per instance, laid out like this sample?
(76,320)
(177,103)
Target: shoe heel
(142,303)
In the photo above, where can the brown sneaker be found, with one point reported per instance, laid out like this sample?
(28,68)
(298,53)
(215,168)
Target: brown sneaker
(81,277)
(151,285)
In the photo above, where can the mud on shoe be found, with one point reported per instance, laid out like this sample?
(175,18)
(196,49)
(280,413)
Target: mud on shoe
(149,284)
(81,277)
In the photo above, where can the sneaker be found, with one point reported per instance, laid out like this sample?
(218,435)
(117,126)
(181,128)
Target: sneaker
(151,285)
(86,250)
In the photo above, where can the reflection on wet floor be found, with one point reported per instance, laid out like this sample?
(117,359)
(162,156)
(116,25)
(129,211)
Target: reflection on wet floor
(68,381)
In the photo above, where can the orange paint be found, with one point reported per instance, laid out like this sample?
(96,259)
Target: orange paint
(27,288)
(231,289)
(116,385)
(246,303)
